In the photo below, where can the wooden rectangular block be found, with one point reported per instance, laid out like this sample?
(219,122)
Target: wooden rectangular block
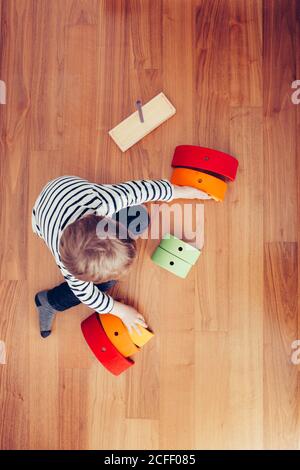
(131,130)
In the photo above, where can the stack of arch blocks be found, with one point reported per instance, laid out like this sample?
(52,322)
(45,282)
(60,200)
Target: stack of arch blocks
(206,169)
(175,256)
(111,342)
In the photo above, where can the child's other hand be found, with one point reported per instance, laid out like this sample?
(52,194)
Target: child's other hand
(187,192)
(129,316)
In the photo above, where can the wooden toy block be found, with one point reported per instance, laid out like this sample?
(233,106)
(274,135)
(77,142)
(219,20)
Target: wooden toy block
(131,130)
(143,338)
(102,347)
(118,334)
(202,158)
(211,185)
(182,250)
(171,263)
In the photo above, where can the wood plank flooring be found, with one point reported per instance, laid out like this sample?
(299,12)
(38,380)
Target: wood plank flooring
(218,374)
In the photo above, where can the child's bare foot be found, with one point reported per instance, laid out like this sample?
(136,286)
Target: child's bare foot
(46,313)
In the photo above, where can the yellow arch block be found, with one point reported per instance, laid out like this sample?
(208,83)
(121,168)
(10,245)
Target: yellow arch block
(143,338)
(211,185)
(118,334)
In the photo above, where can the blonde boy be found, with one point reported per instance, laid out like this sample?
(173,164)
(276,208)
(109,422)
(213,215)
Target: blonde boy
(66,216)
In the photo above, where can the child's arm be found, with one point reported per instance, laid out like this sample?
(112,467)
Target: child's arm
(118,196)
(89,294)
(131,193)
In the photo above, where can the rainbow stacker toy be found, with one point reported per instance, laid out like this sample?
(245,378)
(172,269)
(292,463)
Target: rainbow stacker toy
(203,168)
(111,342)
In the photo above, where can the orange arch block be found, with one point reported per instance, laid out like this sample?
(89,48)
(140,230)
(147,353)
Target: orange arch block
(211,185)
(118,334)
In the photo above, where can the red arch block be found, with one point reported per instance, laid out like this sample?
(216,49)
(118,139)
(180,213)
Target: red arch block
(202,158)
(101,346)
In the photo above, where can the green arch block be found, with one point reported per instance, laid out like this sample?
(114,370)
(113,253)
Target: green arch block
(171,263)
(182,250)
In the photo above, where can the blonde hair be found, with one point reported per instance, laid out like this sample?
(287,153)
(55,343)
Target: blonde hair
(89,257)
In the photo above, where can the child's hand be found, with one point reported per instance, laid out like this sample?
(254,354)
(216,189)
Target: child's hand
(129,316)
(187,192)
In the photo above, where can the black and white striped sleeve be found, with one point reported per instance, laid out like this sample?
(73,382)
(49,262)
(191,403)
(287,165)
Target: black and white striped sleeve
(131,193)
(89,294)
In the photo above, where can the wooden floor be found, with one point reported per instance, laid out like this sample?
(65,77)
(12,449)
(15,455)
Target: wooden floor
(218,374)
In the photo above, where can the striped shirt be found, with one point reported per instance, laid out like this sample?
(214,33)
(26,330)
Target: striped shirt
(68,198)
